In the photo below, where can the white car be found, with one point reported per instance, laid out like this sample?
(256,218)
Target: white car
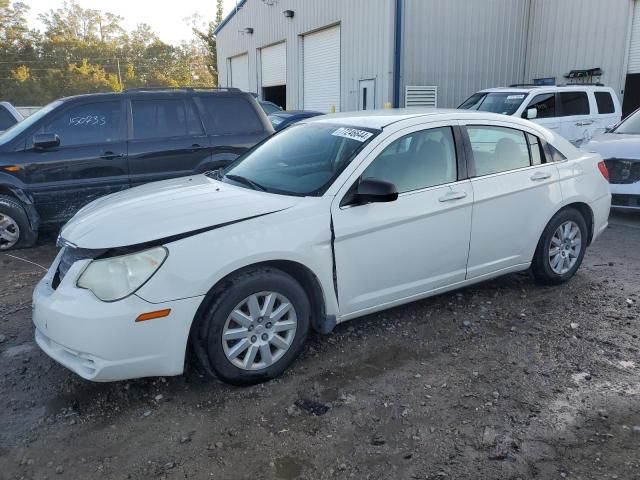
(329,220)
(577,112)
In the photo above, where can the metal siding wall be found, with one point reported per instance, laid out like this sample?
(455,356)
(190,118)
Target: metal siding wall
(566,35)
(367,42)
(463,46)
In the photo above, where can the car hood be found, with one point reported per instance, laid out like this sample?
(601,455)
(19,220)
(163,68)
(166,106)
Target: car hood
(167,210)
(614,145)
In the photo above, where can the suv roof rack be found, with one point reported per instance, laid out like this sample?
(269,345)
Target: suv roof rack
(517,85)
(187,89)
(596,84)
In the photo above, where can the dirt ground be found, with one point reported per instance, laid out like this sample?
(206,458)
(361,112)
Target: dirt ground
(506,380)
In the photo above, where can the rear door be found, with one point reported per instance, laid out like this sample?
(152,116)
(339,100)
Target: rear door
(576,119)
(166,139)
(233,125)
(89,162)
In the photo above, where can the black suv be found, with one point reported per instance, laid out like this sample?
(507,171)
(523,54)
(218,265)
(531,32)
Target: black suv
(77,149)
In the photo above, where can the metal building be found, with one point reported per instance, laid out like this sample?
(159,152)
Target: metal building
(362,54)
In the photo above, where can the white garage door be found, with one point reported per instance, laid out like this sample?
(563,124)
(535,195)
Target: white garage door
(274,65)
(321,64)
(634,51)
(240,72)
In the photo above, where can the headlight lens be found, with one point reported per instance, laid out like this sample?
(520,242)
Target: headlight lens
(115,278)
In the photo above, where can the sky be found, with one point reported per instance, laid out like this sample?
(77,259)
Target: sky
(166,21)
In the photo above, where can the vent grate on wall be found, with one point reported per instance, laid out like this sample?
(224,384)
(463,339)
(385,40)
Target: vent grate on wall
(421,96)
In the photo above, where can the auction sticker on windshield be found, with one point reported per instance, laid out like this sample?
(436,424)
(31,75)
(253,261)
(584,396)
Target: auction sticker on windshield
(353,134)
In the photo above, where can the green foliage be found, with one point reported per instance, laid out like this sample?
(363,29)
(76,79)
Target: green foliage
(86,51)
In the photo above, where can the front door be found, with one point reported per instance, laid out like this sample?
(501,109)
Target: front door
(167,140)
(386,253)
(367,95)
(514,191)
(90,161)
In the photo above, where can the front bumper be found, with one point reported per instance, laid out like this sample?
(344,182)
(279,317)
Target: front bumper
(101,341)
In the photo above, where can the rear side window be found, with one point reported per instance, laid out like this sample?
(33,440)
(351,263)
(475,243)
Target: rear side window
(162,118)
(535,148)
(545,104)
(6,119)
(88,124)
(605,102)
(498,149)
(229,115)
(574,103)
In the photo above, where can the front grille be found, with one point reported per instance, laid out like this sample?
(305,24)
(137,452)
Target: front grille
(71,255)
(623,171)
(632,201)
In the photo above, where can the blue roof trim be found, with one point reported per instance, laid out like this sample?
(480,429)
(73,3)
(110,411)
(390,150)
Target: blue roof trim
(240,4)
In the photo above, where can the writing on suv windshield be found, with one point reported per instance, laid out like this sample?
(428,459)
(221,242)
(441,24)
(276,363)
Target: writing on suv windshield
(302,160)
(505,103)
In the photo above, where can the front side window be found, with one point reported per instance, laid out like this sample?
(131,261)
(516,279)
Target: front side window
(498,149)
(419,160)
(605,103)
(28,122)
(229,115)
(88,124)
(545,104)
(505,103)
(6,119)
(302,160)
(161,118)
(574,103)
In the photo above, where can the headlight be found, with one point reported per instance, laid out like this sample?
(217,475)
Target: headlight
(115,278)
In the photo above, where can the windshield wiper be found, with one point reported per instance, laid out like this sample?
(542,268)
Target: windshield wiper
(246,181)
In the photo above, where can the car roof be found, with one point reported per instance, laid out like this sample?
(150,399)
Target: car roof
(379,119)
(547,88)
(158,91)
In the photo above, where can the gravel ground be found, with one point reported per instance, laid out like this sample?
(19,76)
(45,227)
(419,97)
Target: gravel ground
(504,380)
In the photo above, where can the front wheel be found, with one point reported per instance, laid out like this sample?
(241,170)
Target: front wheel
(257,326)
(15,230)
(561,248)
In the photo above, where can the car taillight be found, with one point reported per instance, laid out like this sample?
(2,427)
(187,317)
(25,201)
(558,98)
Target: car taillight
(603,170)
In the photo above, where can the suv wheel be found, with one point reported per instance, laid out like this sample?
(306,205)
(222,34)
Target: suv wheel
(257,327)
(561,248)
(15,230)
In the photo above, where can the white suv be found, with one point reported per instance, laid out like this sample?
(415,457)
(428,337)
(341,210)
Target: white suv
(577,112)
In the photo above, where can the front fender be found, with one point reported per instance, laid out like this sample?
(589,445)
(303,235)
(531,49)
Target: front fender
(10,186)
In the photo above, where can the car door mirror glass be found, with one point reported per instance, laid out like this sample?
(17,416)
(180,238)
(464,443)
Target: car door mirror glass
(372,190)
(46,140)
(532,113)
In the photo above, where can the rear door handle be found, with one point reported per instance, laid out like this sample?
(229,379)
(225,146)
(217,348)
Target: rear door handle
(453,196)
(539,176)
(584,123)
(111,155)
(196,147)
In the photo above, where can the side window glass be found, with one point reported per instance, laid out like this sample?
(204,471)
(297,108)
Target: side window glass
(6,119)
(419,160)
(158,118)
(553,154)
(88,124)
(229,115)
(498,149)
(545,104)
(605,103)
(574,103)
(537,157)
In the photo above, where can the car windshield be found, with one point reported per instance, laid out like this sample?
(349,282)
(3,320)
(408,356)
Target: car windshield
(630,126)
(505,103)
(302,160)
(25,124)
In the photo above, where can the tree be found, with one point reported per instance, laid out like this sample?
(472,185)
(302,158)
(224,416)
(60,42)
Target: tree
(206,36)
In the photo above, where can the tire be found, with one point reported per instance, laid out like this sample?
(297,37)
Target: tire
(218,319)
(555,267)
(15,229)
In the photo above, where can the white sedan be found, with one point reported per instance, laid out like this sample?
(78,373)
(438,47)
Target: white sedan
(329,220)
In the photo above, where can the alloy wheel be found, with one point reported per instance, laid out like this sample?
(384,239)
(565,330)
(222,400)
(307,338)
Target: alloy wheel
(9,232)
(565,247)
(259,331)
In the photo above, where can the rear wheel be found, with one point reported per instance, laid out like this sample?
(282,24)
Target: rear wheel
(257,327)
(561,248)
(15,230)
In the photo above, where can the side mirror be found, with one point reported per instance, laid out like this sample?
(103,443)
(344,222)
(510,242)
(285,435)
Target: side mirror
(46,140)
(371,190)
(532,113)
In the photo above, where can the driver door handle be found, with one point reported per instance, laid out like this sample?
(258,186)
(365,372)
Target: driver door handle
(584,123)
(111,155)
(539,176)
(450,196)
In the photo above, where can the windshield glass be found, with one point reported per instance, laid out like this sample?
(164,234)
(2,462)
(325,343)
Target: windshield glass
(25,124)
(505,103)
(302,160)
(631,125)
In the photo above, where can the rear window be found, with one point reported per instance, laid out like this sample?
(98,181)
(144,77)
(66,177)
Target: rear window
(6,119)
(605,102)
(229,115)
(574,103)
